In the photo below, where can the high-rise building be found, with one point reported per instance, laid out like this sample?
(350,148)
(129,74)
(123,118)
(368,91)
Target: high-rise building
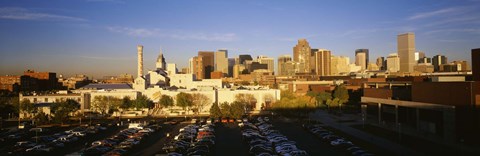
(231,63)
(406,51)
(323,62)
(363,61)
(140,61)
(339,65)
(476,64)
(393,62)
(221,61)
(381,63)
(267,60)
(198,67)
(291,67)
(360,60)
(313,63)
(461,65)
(438,60)
(419,55)
(425,60)
(302,54)
(281,63)
(160,64)
(208,58)
(243,58)
(237,70)
(373,67)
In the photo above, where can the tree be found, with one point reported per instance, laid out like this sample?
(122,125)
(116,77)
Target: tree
(246,99)
(41,118)
(215,111)
(311,95)
(26,107)
(184,100)
(142,101)
(322,97)
(100,104)
(63,109)
(166,101)
(341,93)
(126,103)
(237,110)
(225,109)
(200,101)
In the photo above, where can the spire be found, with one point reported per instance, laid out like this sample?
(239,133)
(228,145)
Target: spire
(161,60)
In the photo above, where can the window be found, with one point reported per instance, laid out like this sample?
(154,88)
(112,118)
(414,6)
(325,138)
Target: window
(46,99)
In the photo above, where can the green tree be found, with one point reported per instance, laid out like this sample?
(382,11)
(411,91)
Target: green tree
(215,111)
(322,97)
(100,104)
(63,109)
(41,118)
(200,101)
(341,93)
(26,107)
(184,100)
(142,101)
(237,110)
(126,103)
(226,109)
(311,95)
(166,101)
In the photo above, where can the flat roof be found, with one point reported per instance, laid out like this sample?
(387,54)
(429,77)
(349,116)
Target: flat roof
(107,86)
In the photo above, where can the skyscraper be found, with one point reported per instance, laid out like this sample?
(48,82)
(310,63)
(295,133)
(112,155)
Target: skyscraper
(360,60)
(208,58)
(140,61)
(281,62)
(406,51)
(231,63)
(438,60)
(381,63)
(393,63)
(198,67)
(419,55)
(323,62)
(267,60)
(339,65)
(243,58)
(302,55)
(363,61)
(476,64)
(221,61)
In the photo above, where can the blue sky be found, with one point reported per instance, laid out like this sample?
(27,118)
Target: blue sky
(99,37)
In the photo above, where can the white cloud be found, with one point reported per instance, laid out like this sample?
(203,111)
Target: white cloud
(435,13)
(174,34)
(25,14)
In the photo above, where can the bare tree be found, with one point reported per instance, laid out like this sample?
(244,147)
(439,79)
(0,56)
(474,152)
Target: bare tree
(200,101)
(247,99)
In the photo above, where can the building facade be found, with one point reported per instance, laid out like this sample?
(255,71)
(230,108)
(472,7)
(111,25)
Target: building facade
(302,55)
(406,51)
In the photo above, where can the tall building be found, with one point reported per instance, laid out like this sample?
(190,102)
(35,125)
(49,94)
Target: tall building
(267,60)
(237,70)
(302,55)
(281,63)
(381,63)
(313,63)
(243,58)
(419,55)
(425,60)
(36,81)
(140,61)
(462,65)
(438,60)
(476,64)
(291,67)
(221,61)
(198,67)
(323,62)
(393,63)
(161,64)
(406,51)
(339,65)
(10,83)
(363,61)
(231,63)
(360,60)
(208,58)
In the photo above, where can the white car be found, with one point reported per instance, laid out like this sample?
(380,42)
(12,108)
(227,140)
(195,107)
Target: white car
(339,141)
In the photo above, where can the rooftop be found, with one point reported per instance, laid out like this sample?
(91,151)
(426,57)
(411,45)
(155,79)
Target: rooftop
(98,86)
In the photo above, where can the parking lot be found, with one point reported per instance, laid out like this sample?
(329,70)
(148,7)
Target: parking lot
(227,139)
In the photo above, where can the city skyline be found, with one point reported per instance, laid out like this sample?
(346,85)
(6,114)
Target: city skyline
(78,39)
